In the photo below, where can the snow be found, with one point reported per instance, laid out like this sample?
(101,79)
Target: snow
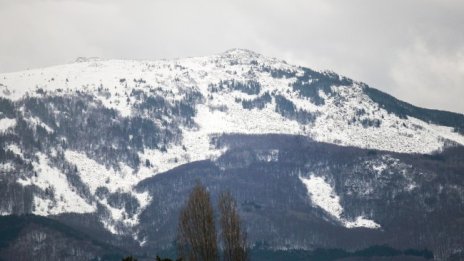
(15,149)
(64,198)
(116,79)
(268,155)
(88,75)
(110,226)
(6,167)
(385,166)
(323,195)
(5,212)
(96,175)
(196,141)
(411,187)
(6,124)
(384,162)
(395,134)
(34,121)
(24,181)
(380,167)
(361,222)
(238,120)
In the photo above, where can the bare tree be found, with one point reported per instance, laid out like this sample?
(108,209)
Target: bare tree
(233,237)
(196,232)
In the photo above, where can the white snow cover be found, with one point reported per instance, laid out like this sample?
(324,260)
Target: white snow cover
(96,175)
(6,167)
(395,134)
(34,121)
(15,149)
(324,196)
(116,77)
(6,124)
(63,197)
(388,162)
(268,156)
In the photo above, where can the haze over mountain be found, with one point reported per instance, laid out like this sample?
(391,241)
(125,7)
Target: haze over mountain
(112,147)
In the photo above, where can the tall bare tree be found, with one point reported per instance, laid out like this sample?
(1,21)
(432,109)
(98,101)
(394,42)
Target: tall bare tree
(196,232)
(232,234)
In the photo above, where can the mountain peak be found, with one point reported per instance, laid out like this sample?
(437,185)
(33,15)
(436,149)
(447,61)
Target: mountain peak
(241,52)
(246,56)
(87,59)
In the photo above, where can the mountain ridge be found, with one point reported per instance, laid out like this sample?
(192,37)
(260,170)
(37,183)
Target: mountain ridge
(183,70)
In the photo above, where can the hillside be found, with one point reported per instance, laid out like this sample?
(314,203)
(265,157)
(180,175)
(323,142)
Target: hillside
(112,147)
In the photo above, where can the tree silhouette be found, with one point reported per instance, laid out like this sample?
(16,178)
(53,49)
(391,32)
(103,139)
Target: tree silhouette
(196,232)
(166,259)
(232,235)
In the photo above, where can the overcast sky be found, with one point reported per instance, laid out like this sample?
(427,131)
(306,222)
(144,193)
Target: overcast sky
(412,49)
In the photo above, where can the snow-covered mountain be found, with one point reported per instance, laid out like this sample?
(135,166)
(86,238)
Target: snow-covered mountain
(241,92)
(82,137)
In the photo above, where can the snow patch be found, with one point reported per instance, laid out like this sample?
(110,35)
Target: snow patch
(96,175)
(5,212)
(15,149)
(268,156)
(60,197)
(379,168)
(34,121)
(6,124)
(6,167)
(324,196)
(361,222)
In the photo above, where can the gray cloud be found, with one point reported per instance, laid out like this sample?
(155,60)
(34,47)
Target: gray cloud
(413,49)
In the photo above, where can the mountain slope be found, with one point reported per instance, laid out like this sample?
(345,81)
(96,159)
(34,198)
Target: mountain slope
(91,137)
(402,200)
(321,105)
(37,238)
